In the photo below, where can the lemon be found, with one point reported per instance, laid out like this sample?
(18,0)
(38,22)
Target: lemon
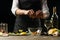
(20,30)
(23,33)
(51,31)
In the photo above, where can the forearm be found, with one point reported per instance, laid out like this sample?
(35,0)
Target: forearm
(15,9)
(21,12)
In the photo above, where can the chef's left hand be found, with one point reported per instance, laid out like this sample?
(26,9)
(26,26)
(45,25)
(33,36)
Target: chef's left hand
(42,15)
(39,14)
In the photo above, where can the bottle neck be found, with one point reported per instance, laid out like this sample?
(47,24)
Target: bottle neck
(54,12)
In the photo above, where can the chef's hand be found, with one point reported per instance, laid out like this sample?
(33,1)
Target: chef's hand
(31,13)
(39,14)
(45,15)
(42,15)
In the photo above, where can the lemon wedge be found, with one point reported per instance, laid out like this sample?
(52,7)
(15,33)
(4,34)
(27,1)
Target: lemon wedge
(23,33)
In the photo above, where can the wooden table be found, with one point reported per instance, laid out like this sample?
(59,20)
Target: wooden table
(30,38)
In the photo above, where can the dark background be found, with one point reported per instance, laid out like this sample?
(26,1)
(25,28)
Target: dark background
(6,15)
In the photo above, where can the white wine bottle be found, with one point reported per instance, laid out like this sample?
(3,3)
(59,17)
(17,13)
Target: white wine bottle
(54,18)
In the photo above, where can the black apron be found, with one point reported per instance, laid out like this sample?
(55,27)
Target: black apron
(23,21)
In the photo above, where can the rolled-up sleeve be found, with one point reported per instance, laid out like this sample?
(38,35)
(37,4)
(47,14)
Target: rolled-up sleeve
(45,8)
(14,6)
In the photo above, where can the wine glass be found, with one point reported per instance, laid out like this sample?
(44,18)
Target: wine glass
(35,31)
(47,24)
